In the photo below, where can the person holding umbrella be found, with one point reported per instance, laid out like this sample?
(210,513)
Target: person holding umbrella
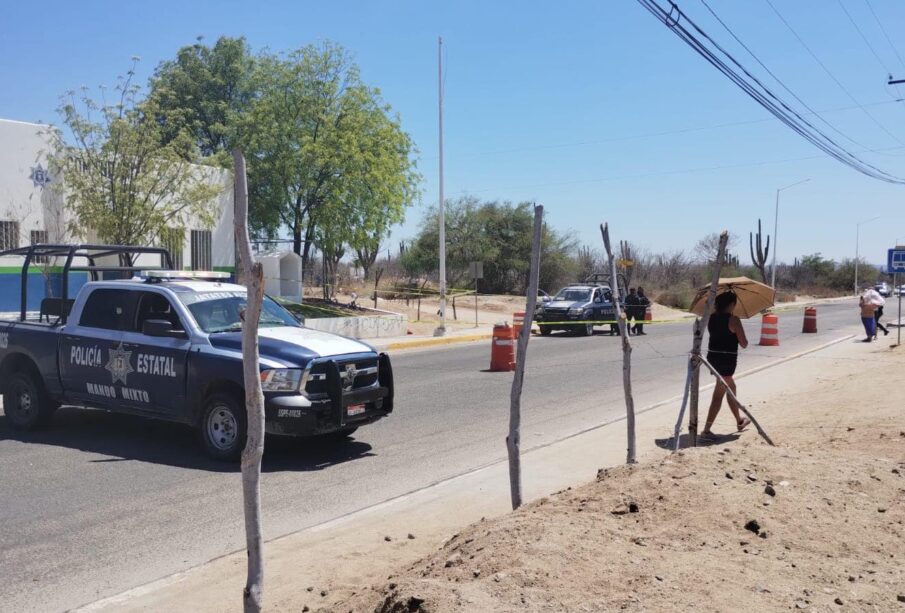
(737,298)
(726,335)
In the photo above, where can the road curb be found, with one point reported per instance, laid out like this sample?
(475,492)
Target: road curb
(440,340)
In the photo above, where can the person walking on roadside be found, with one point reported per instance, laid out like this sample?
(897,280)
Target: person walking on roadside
(643,303)
(631,310)
(726,335)
(874,297)
(868,316)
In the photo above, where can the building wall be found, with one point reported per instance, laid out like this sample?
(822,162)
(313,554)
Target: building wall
(37,201)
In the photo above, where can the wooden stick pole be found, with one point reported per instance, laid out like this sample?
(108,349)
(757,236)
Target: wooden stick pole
(630,457)
(513,441)
(253,596)
(732,395)
(678,430)
(699,326)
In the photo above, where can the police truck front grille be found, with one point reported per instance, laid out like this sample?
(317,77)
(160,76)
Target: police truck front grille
(364,370)
(551,313)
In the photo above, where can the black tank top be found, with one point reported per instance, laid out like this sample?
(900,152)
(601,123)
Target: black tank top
(722,339)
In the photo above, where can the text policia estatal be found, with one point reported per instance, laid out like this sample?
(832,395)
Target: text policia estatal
(146,363)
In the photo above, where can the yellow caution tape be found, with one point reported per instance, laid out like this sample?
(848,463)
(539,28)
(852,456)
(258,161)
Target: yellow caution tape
(610,322)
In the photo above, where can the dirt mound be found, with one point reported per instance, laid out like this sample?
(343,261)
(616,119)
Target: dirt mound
(751,528)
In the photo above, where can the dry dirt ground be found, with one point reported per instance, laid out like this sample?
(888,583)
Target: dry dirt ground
(815,524)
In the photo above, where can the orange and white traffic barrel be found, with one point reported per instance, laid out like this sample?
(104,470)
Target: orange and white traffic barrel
(648,314)
(502,349)
(769,330)
(518,320)
(810,320)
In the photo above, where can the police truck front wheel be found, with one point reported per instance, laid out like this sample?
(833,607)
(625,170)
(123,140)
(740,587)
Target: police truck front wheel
(223,427)
(25,403)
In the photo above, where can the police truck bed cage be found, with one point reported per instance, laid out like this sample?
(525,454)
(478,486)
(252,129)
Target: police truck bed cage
(126,254)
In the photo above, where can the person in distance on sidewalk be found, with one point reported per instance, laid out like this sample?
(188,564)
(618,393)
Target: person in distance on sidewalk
(868,308)
(726,334)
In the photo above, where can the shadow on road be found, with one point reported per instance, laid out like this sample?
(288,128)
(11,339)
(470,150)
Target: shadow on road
(685,442)
(126,438)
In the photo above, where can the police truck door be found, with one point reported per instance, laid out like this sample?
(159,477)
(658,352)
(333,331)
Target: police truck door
(158,383)
(93,363)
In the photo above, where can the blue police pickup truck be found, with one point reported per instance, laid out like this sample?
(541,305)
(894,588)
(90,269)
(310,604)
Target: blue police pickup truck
(167,345)
(578,308)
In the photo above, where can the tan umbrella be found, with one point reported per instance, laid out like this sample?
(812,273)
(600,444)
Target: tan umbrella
(753,297)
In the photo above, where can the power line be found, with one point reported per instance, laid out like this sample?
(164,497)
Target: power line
(883,29)
(864,38)
(777,79)
(713,53)
(661,173)
(829,73)
(677,131)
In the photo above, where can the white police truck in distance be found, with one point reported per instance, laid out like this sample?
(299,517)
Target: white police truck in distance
(169,347)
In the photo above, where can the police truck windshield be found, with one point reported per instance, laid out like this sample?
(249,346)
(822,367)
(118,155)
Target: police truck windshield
(573,295)
(225,311)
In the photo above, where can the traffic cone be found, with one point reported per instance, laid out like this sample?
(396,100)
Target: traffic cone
(769,330)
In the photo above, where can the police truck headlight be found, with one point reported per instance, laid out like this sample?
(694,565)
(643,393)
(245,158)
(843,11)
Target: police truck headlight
(281,380)
(577,311)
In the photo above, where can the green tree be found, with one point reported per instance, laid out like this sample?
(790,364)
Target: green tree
(498,234)
(816,270)
(204,91)
(327,159)
(126,182)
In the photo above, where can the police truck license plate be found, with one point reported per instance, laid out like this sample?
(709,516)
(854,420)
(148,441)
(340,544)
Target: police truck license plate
(355,409)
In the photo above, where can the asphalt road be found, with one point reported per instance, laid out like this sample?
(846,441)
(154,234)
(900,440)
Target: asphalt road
(101,503)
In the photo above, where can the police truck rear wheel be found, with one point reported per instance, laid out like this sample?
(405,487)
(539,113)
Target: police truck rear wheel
(25,403)
(223,427)
(588,330)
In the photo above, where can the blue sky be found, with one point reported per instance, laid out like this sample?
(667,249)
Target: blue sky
(592,108)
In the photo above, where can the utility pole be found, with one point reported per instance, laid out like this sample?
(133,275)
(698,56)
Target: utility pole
(441,329)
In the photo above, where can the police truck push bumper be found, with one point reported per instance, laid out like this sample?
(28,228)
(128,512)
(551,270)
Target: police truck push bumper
(341,408)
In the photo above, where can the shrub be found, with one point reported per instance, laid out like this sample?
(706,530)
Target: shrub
(680,299)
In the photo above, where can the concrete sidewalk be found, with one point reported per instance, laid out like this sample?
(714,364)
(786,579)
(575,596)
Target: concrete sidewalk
(320,566)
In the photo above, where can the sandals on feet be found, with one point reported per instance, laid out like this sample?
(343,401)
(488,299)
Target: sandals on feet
(744,423)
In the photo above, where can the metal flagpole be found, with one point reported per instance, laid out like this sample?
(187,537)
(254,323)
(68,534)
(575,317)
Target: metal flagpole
(441,329)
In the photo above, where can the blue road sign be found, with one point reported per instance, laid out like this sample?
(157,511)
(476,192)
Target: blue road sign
(896,260)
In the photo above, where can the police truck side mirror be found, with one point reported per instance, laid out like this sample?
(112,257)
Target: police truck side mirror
(160,328)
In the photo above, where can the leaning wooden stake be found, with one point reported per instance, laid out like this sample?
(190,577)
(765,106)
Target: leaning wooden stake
(678,430)
(699,326)
(253,596)
(626,350)
(513,441)
(732,395)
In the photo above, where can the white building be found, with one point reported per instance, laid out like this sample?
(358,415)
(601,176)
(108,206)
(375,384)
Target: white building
(32,212)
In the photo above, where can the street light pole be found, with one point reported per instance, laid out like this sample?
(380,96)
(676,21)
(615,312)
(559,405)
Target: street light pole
(441,329)
(858,246)
(776,230)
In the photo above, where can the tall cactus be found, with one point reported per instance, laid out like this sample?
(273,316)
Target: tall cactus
(760,257)
(626,253)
